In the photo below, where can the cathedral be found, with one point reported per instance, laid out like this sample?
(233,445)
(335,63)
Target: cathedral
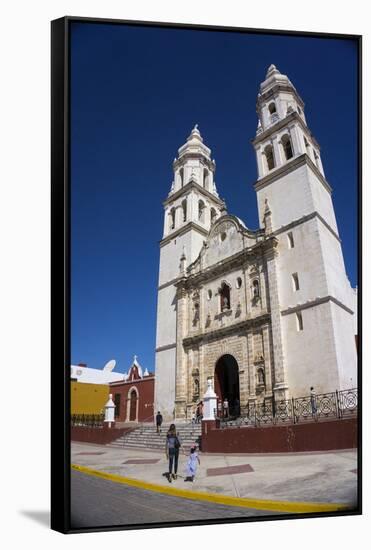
(265,313)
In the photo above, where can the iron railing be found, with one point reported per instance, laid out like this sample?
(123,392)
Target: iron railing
(87,420)
(338,404)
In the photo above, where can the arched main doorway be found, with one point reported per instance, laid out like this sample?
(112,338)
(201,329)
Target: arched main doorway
(133,406)
(227,383)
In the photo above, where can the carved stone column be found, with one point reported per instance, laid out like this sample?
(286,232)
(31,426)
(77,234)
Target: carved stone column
(267,361)
(280,388)
(244,373)
(277,152)
(250,348)
(295,140)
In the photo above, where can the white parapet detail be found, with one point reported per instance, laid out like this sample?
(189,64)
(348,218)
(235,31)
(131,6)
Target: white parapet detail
(109,411)
(210,402)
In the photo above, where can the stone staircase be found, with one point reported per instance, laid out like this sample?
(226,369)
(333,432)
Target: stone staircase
(145,437)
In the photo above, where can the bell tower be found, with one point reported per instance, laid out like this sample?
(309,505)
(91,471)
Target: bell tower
(190,209)
(311,304)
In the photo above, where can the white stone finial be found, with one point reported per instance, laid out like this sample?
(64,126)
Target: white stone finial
(210,401)
(272,69)
(109,412)
(195,134)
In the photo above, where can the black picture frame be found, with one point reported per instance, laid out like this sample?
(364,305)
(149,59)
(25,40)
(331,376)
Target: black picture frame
(60,270)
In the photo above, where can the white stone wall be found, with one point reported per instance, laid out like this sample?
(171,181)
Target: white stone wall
(336,278)
(305,259)
(346,352)
(311,358)
(171,253)
(219,249)
(322,201)
(289,198)
(166,316)
(165,383)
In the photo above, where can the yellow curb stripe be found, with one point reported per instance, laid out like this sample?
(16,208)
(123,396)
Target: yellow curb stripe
(270,505)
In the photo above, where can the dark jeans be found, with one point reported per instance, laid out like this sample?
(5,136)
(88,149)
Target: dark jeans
(173,459)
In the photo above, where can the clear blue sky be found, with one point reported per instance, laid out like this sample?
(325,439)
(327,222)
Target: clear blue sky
(136,93)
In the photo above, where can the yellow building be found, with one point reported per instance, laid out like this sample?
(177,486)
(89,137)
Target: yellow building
(88,398)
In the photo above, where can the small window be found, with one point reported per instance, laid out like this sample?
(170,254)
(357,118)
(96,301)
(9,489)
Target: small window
(299,321)
(290,238)
(272,108)
(206,178)
(201,211)
(238,282)
(209,294)
(299,110)
(184,208)
(269,157)
(172,218)
(223,236)
(295,281)
(287,147)
(316,158)
(181,175)
(306,143)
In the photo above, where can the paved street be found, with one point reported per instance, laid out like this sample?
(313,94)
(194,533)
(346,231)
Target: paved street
(98,502)
(292,479)
(314,477)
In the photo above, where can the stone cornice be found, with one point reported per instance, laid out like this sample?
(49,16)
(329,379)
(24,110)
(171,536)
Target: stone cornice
(277,88)
(203,159)
(288,167)
(164,348)
(304,219)
(316,302)
(169,283)
(282,123)
(252,322)
(261,247)
(187,227)
(189,187)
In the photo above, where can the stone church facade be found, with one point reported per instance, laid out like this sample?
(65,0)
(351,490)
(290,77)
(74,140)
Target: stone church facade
(267,313)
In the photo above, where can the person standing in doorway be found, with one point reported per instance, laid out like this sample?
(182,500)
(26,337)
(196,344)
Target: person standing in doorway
(198,412)
(201,410)
(158,422)
(313,403)
(172,452)
(225,408)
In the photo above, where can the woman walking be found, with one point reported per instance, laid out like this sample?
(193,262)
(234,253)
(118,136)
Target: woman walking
(172,451)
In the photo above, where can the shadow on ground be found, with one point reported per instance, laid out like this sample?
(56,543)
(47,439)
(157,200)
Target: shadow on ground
(42,517)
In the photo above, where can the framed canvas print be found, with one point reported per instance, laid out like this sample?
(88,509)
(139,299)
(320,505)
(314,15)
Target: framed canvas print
(205,285)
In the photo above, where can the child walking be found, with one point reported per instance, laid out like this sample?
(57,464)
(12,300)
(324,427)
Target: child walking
(192,463)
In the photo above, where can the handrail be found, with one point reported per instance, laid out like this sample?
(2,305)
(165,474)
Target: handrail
(338,404)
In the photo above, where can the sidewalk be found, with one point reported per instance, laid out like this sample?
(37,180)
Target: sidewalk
(329,477)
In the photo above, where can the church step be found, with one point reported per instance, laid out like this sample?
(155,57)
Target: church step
(146,436)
